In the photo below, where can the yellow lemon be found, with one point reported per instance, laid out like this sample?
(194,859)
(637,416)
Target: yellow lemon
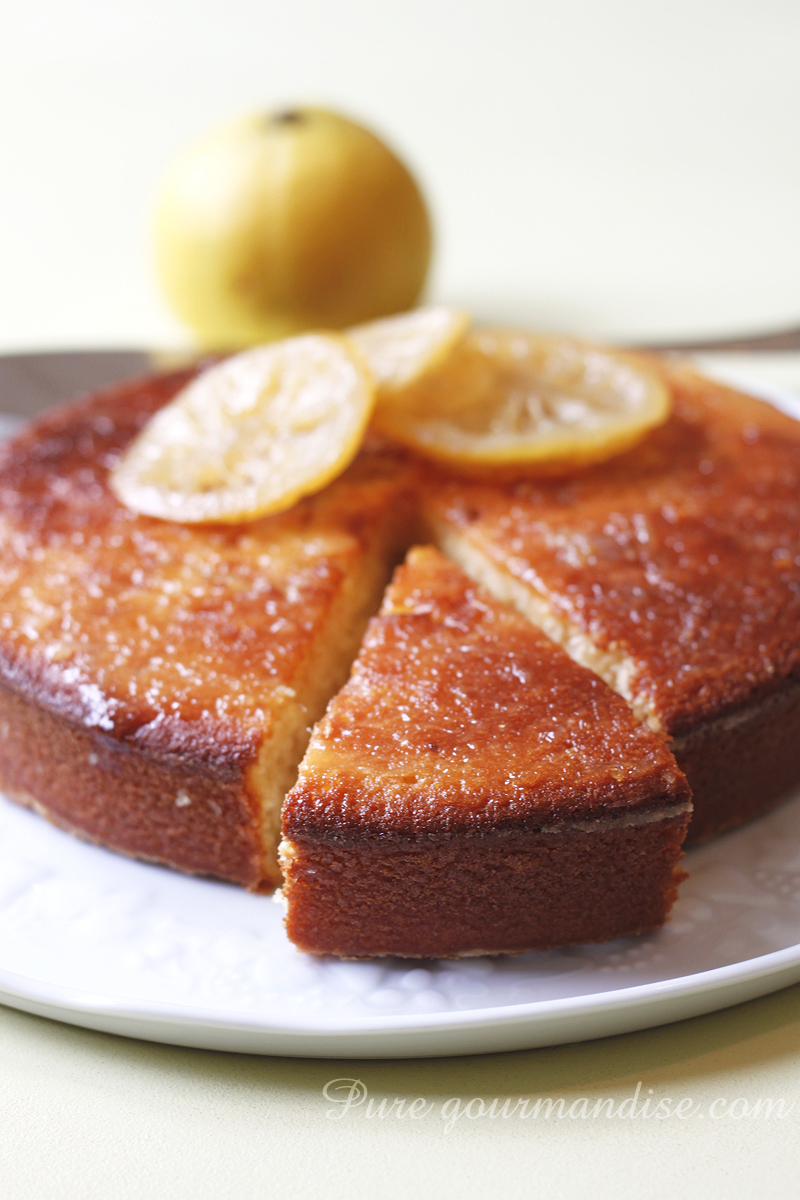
(505,403)
(288,221)
(252,434)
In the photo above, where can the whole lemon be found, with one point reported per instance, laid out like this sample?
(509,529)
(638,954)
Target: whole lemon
(288,221)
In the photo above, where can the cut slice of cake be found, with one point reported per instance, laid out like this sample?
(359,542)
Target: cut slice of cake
(158,681)
(472,790)
(674,573)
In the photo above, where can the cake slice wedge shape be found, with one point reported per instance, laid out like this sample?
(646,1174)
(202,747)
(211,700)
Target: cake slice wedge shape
(472,790)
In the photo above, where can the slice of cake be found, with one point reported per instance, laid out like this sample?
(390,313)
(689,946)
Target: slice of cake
(674,573)
(472,790)
(158,681)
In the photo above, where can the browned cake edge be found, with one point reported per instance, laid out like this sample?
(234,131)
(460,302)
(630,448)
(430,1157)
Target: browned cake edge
(175,809)
(501,893)
(203,799)
(200,803)
(738,766)
(743,764)
(367,876)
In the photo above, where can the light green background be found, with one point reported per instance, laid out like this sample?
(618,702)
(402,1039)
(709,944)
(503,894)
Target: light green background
(88,1115)
(619,167)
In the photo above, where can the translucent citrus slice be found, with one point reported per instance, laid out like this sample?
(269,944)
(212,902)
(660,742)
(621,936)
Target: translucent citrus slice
(400,349)
(505,403)
(251,435)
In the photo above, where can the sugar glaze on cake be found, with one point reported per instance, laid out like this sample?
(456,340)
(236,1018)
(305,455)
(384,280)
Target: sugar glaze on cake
(471,789)
(674,573)
(158,683)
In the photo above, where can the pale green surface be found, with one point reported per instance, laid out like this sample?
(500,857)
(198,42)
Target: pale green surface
(618,167)
(88,1115)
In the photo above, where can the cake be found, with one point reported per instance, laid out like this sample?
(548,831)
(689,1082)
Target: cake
(473,790)
(159,682)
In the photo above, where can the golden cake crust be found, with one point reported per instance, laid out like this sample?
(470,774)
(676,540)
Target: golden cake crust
(179,649)
(468,765)
(460,714)
(683,555)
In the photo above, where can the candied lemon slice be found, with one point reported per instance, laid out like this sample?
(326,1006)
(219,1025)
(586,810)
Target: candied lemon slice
(506,402)
(251,435)
(400,349)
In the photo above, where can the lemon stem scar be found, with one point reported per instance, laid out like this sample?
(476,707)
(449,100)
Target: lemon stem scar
(290,116)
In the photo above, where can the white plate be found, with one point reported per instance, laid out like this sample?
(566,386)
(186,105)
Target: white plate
(100,941)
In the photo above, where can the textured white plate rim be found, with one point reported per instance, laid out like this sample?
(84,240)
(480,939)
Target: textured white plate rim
(766,968)
(506,1027)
